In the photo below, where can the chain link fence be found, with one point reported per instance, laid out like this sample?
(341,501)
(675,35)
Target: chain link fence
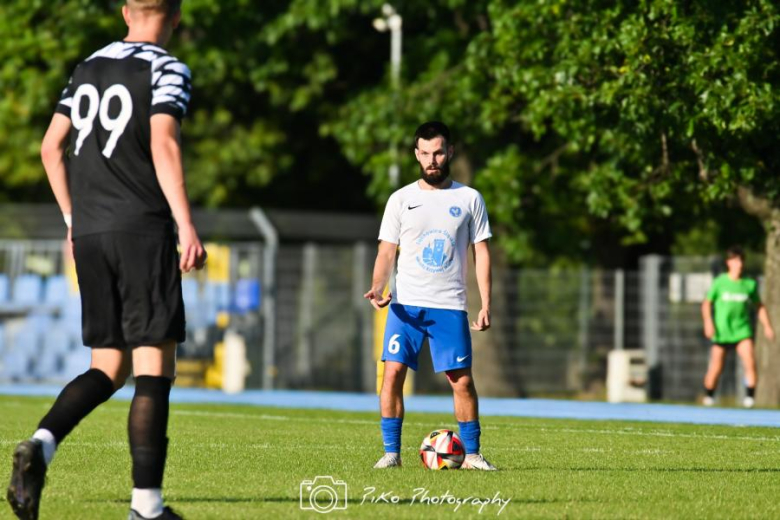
(552,329)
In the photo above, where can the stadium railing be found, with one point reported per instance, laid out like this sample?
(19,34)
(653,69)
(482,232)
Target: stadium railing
(552,329)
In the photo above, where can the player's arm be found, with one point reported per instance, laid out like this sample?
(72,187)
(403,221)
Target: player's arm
(763,317)
(484,282)
(383,267)
(166,155)
(706,316)
(53,157)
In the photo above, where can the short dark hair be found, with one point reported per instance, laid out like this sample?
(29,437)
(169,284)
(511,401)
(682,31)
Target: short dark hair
(169,7)
(735,252)
(431,129)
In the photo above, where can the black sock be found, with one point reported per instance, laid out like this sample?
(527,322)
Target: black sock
(751,391)
(147,427)
(709,391)
(76,401)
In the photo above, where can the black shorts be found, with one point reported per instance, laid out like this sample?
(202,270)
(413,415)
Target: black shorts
(130,289)
(729,346)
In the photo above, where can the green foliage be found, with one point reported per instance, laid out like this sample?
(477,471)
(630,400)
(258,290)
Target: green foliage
(698,241)
(636,113)
(263,73)
(611,121)
(264,76)
(37,52)
(661,107)
(436,36)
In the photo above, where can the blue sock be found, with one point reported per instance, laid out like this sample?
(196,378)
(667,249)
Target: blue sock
(469,434)
(391,433)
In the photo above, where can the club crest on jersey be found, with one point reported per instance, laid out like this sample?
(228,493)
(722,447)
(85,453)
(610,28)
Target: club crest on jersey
(437,253)
(455,211)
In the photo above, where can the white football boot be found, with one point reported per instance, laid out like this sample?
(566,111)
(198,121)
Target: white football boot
(708,401)
(389,460)
(749,402)
(477,461)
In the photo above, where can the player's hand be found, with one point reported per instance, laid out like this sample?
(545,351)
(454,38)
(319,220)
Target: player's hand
(709,330)
(375,297)
(483,321)
(769,333)
(193,255)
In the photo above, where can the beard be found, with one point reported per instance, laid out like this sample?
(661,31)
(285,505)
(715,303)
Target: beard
(435,177)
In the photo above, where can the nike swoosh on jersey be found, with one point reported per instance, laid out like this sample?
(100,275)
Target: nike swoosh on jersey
(413,207)
(461,359)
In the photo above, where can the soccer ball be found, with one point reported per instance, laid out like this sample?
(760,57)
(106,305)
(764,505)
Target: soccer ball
(442,449)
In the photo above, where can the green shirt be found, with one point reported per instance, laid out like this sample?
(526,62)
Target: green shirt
(732,300)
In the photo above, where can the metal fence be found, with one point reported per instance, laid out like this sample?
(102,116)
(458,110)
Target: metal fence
(552,329)
(672,290)
(555,328)
(324,326)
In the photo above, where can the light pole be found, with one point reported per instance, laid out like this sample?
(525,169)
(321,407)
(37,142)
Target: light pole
(393,22)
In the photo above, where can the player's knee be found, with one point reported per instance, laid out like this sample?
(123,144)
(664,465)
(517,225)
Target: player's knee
(118,376)
(460,381)
(394,377)
(119,379)
(458,375)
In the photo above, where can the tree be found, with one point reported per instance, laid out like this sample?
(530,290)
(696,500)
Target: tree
(621,121)
(651,105)
(499,72)
(264,74)
(37,61)
(648,108)
(290,96)
(641,114)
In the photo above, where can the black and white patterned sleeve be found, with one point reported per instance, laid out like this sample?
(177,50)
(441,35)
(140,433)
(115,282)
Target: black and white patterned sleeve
(66,100)
(171,86)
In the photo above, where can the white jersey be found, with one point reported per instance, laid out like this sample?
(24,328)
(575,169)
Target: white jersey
(434,229)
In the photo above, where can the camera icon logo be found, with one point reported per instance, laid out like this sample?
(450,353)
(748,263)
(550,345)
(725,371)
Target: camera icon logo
(323,494)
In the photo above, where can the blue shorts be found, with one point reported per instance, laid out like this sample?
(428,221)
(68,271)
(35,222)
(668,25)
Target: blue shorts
(447,332)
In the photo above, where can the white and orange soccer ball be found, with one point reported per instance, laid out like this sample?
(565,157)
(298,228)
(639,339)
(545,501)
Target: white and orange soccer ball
(442,449)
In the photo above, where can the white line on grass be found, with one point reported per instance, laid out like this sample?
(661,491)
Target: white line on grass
(232,415)
(543,429)
(309,419)
(626,431)
(662,434)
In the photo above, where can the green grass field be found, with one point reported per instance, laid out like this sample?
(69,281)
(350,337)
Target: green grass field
(232,462)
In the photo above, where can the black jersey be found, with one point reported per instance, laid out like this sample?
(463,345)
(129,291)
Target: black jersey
(110,99)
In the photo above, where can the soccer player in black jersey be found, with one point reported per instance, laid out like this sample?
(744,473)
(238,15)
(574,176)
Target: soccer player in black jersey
(113,159)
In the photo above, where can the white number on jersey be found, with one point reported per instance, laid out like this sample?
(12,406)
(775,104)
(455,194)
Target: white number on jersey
(393,347)
(85,124)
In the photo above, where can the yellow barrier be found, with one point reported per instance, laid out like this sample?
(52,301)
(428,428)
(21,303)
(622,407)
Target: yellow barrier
(214,371)
(69,266)
(218,267)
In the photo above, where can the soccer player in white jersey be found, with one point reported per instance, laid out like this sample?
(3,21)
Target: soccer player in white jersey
(112,155)
(433,221)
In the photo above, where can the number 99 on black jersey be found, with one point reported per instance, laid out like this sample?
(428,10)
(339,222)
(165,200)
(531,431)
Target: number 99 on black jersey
(110,99)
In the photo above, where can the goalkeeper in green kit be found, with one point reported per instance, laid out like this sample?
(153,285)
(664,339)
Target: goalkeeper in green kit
(731,297)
